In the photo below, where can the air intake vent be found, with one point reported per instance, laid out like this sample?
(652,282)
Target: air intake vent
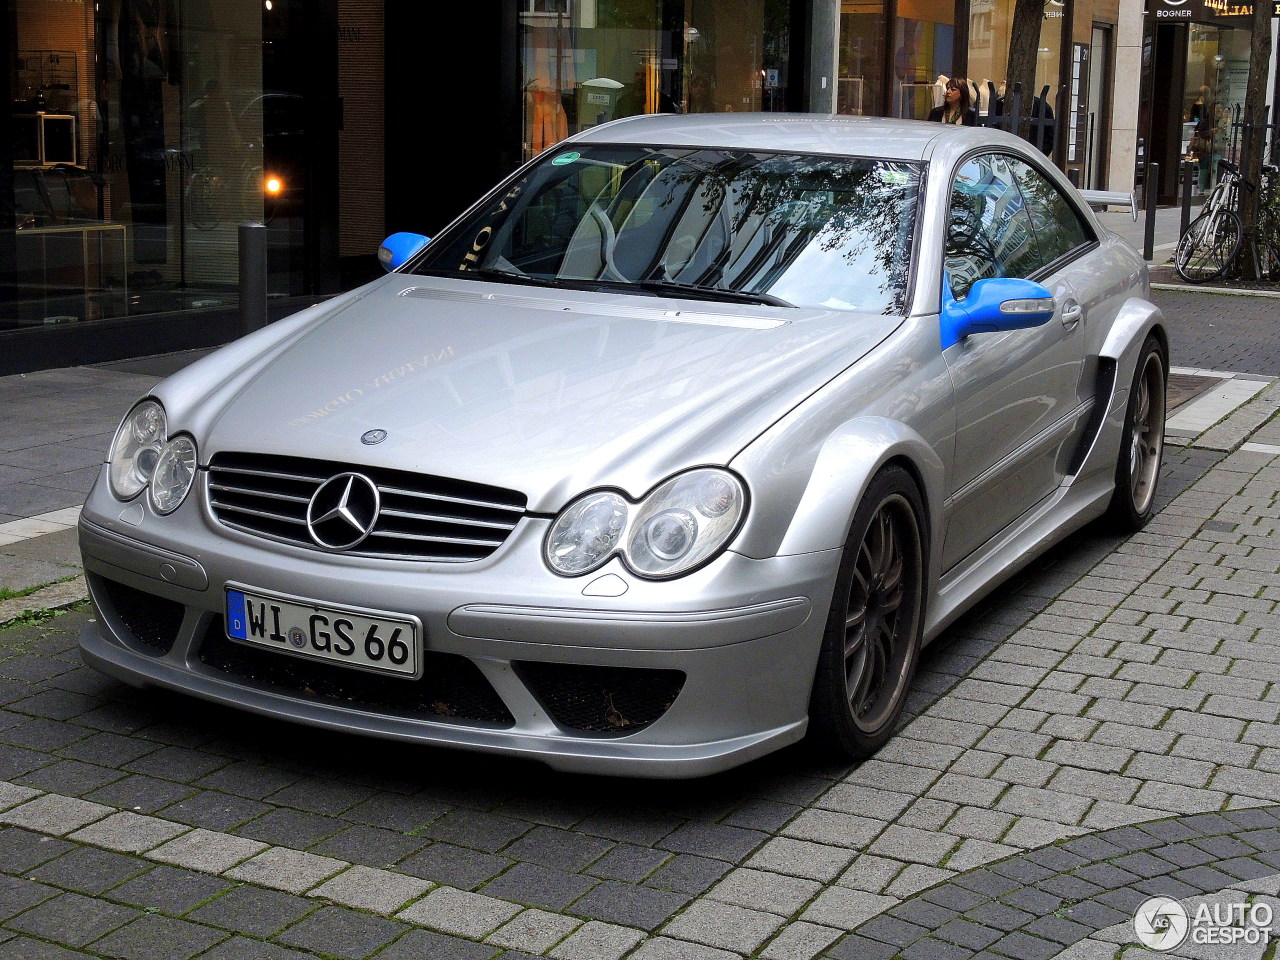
(420,517)
(153,621)
(601,700)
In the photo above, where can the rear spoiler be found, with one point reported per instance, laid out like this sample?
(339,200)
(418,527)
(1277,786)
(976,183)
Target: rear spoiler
(1101,199)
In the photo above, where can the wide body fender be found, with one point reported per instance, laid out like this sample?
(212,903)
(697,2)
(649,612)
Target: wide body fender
(840,472)
(1118,357)
(808,472)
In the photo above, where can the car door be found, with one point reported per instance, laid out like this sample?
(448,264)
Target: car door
(1016,392)
(1071,251)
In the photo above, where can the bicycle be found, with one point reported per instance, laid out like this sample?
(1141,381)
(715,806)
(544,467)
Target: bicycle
(1212,240)
(1268,242)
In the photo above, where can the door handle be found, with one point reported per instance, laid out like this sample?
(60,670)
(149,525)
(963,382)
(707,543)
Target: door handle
(1072,312)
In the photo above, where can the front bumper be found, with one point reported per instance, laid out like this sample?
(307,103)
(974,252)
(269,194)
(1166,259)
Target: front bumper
(673,679)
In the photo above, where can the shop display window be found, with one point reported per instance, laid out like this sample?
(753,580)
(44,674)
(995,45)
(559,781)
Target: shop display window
(924,34)
(586,62)
(990,28)
(862,51)
(1217,74)
(136,151)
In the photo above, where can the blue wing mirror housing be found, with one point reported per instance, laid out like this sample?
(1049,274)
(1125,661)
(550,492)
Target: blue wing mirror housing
(994,305)
(399,248)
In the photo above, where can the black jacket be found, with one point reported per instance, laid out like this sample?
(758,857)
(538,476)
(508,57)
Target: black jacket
(970,117)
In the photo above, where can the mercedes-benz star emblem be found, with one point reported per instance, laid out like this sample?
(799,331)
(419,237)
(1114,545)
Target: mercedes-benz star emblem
(343,511)
(370,437)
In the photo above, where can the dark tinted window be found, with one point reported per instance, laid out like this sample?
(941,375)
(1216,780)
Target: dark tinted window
(989,233)
(1058,227)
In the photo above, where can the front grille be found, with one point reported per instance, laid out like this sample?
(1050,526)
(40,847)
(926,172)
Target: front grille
(422,517)
(601,699)
(153,621)
(451,686)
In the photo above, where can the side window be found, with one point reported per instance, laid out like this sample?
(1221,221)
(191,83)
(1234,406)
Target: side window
(989,233)
(1058,227)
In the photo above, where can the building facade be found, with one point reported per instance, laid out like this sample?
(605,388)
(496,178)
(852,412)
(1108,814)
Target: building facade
(142,133)
(1195,72)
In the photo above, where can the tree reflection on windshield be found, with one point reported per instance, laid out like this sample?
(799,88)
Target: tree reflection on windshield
(815,231)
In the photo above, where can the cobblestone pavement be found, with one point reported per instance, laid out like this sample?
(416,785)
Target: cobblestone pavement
(1102,730)
(1220,331)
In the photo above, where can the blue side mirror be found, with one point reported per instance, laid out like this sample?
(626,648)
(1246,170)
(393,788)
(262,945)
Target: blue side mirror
(993,305)
(398,248)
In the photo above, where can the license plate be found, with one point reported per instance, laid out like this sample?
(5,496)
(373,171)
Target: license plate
(364,639)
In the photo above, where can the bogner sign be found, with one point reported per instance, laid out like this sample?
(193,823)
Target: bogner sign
(1188,10)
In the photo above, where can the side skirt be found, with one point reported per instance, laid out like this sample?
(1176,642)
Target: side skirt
(1067,510)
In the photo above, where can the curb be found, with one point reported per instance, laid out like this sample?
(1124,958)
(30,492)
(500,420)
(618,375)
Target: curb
(1231,291)
(55,596)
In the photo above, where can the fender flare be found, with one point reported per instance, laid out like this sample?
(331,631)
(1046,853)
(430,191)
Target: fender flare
(1117,362)
(1133,322)
(837,479)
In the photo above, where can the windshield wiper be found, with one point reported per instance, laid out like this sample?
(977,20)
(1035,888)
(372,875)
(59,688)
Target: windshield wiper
(506,276)
(712,293)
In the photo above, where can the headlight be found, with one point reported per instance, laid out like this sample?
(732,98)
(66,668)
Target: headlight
(173,474)
(685,522)
(141,456)
(682,524)
(136,449)
(585,535)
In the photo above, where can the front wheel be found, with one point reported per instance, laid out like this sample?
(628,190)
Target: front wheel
(1141,442)
(1207,249)
(872,638)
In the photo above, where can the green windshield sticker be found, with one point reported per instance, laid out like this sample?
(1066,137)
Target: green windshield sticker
(895,177)
(564,158)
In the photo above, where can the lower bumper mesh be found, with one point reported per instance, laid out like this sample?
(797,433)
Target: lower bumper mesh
(152,621)
(451,686)
(618,700)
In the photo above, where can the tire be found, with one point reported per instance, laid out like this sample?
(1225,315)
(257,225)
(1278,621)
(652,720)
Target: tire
(1141,443)
(1205,252)
(872,638)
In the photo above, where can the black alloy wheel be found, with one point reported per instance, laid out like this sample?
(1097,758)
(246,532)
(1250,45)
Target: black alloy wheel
(872,639)
(1141,442)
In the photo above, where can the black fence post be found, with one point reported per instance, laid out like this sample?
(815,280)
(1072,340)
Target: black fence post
(1188,171)
(253,277)
(1150,190)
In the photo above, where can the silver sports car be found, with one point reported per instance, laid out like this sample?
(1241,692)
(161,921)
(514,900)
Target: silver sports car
(672,450)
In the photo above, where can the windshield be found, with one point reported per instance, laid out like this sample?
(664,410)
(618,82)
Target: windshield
(781,229)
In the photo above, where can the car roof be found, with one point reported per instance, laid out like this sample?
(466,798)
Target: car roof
(796,133)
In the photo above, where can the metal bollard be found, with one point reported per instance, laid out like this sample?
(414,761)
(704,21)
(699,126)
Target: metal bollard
(253,277)
(1150,190)
(1188,171)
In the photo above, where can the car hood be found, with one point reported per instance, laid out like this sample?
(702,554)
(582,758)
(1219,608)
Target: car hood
(549,392)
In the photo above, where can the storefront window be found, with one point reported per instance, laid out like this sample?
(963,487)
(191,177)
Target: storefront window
(1216,76)
(862,43)
(990,28)
(144,137)
(924,33)
(586,62)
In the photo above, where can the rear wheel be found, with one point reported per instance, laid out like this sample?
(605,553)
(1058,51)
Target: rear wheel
(1207,249)
(872,639)
(1141,443)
